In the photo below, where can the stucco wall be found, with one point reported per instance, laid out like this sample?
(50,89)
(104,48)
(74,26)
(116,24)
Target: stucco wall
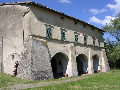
(1,49)
(41,16)
(11,29)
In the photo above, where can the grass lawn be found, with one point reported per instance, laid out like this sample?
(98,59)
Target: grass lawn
(8,80)
(100,81)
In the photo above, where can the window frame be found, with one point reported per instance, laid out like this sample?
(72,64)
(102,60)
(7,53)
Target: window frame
(63,36)
(76,39)
(85,39)
(99,43)
(94,41)
(49,33)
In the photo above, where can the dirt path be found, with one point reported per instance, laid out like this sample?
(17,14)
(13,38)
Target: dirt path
(40,84)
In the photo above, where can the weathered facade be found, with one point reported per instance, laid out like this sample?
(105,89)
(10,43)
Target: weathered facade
(47,43)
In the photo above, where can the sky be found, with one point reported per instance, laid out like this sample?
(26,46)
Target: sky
(95,12)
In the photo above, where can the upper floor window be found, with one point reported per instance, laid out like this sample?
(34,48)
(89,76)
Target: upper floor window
(76,37)
(105,44)
(48,32)
(85,39)
(99,43)
(63,37)
(94,39)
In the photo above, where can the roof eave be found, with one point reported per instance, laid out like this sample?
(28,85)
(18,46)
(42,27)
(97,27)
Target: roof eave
(33,3)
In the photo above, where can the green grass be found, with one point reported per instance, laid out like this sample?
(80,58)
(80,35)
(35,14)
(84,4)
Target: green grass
(8,80)
(59,79)
(100,81)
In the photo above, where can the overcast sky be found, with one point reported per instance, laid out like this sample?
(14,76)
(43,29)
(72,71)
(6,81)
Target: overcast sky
(95,12)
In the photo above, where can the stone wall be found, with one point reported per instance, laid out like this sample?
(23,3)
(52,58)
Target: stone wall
(35,63)
(41,65)
(24,68)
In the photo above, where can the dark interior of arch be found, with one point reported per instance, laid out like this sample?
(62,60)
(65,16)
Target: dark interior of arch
(95,63)
(81,64)
(59,65)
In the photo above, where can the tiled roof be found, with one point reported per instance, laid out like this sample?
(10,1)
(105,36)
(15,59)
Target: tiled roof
(34,3)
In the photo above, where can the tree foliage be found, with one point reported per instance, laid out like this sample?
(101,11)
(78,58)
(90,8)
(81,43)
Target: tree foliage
(113,54)
(113,48)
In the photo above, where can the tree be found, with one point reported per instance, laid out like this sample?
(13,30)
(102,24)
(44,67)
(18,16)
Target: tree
(113,54)
(113,48)
(114,28)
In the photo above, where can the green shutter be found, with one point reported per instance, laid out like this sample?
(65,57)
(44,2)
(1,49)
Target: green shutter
(105,44)
(99,43)
(85,39)
(63,35)
(94,41)
(76,38)
(49,33)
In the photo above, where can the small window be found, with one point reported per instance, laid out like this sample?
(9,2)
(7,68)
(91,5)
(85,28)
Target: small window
(76,38)
(13,56)
(75,23)
(84,25)
(99,43)
(62,17)
(85,39)
(92,28)
(63,35)
(49,32)
(94,41)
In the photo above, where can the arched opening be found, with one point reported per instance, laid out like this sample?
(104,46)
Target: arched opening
(82,64)
(96,63)
(59,64)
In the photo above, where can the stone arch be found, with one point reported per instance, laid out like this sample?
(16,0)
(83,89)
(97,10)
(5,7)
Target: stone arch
(11,64)
(95,63)
(59,64)
(82,64)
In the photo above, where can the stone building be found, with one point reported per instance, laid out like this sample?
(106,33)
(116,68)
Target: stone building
(46,43)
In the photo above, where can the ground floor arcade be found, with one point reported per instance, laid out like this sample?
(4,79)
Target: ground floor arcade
(47,59)
(59,64)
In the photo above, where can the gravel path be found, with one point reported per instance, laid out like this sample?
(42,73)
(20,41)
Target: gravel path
(40,84)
